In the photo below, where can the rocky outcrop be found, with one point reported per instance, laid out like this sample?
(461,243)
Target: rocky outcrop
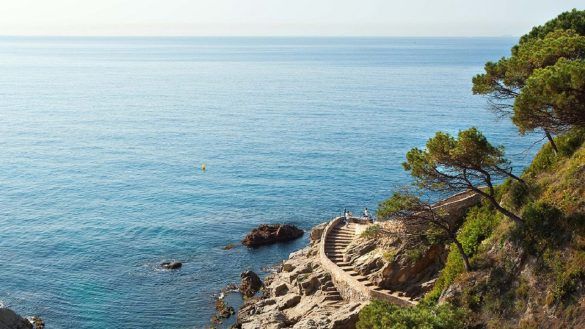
(300,295)
(10,320)
(269,234)
(250,283)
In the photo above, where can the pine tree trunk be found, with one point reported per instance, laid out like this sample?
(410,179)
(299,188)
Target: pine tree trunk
(496,205)
(463,254)
(552,141)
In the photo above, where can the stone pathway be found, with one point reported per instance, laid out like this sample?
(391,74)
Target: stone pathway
(336,242)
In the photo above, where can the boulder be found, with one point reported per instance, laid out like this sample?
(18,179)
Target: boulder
(289,301)
(250,283)
(310,285)
(171,265)
(288,267)
(346,317)
(269,234)
(280,290)
(10,320)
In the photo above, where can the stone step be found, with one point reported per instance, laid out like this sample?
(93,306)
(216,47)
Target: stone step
(343,229)
(342,239)
(341,233)
(332,303)
(334,297)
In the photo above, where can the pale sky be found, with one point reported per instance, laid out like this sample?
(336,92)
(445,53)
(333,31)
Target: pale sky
(278,17)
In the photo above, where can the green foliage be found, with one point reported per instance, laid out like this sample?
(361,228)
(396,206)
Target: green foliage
(456,163)
(373,231)
(514,193)
(389,255)
(503,79)
(416,253)
(398,202)
(568,272)
(543,76)
(454,266)
(574,20)
(553,97)
(479,225)
(383,315)
(567,143)
(543,229)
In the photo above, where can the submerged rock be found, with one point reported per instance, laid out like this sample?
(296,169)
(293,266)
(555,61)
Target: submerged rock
(10,320)
(268,234)
(171,265)
(250,283)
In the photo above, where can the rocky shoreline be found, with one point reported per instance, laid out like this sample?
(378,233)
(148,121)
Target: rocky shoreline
(295,296)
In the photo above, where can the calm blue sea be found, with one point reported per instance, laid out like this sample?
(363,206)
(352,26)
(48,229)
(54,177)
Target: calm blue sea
(101,141)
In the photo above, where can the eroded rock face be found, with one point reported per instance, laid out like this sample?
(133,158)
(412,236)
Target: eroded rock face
(269,234)
(298,296)
(317,232)
(250,283)
(10,320)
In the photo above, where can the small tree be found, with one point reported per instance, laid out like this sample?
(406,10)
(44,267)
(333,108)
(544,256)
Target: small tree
(418,215)
(457,164)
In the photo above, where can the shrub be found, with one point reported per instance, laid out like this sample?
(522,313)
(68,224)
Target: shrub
(372,231)
(479,224)
(544,228)
(567,144)
(383,315)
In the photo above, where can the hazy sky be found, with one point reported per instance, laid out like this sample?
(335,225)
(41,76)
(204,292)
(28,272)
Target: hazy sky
(278,17)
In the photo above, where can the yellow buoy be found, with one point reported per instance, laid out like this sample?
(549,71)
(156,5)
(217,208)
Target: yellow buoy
(203,167)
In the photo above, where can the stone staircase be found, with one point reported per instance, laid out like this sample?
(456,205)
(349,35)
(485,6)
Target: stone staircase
(335,244)
(339,238)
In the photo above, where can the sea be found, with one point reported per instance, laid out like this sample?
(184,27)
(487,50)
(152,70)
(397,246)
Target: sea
(103,139)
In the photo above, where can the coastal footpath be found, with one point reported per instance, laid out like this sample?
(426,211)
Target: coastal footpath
(344,267)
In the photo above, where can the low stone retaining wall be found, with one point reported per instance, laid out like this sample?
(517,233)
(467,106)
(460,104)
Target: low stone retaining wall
(349,288)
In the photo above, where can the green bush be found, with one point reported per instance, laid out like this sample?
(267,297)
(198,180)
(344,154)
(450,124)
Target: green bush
(567,144)
(383,315)
(453,267)
(543,227)
(371,232)
(478,226)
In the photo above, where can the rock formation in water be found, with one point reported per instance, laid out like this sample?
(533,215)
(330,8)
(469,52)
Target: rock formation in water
(269,234)
(250,283)
(171,265)
(10,320)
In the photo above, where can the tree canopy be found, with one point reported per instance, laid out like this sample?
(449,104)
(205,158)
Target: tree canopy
(562,38)
(456,164)
(553,98)
(419,215)
(573,20)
